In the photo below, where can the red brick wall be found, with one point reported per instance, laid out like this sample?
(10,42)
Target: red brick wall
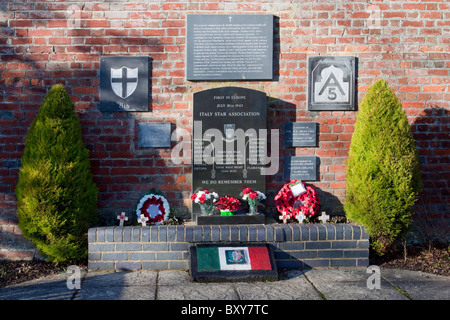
(44,42)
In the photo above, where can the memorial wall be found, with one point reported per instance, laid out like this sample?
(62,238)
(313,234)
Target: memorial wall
(142,73)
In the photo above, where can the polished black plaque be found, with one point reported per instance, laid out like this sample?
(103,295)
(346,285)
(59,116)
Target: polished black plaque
(229,140)
(229,47)
(300,168)
(154,135)
(300,134)
(124,83)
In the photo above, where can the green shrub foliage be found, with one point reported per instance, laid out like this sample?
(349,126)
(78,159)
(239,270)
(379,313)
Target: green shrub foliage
(383,177)
(56,196)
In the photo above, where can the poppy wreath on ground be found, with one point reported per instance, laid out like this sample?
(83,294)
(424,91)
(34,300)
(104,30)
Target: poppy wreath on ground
(290,206)
(154,207)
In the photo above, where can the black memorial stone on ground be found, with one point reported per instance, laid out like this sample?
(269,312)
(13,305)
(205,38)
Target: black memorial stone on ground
(214,262)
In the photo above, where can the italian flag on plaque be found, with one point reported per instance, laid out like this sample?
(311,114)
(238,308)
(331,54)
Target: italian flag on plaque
(233,258)
(232,262)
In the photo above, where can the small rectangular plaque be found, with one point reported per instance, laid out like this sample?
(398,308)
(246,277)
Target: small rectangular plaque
(154,135)
(300,134)
(300,168)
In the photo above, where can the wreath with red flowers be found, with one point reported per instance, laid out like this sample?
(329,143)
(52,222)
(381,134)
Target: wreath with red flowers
(228,203)
(290,206)
(155,207)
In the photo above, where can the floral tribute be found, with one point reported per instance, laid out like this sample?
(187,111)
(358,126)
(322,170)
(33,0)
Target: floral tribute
(253,197)
(206,199)
(304,205)
(154,207)
(228,203)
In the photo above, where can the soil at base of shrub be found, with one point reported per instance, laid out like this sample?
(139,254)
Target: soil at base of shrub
(14,272)
(434,260)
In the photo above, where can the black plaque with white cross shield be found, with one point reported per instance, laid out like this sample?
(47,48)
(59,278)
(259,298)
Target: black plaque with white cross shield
(331,83)
(124,83)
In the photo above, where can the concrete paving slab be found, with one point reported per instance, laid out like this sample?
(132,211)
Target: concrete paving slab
(350,284)
(176,285)
(294,288)
(173,277)
(139,285)
(332,284)
(117,293)
(419,285)
(197,291)
(123,278)
(47,288)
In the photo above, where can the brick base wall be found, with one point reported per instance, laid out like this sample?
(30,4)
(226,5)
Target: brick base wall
(167,247)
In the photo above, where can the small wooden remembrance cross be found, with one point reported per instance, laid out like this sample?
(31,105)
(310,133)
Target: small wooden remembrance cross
(283,217)
(324,217)
(122,218)
(300,217)
(143,220)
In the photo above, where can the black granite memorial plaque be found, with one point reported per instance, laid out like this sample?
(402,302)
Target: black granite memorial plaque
(331,83)
(300,168)
(229,47)
(300,134)
(232,262)
(154,135)
(230,141)
(124,83)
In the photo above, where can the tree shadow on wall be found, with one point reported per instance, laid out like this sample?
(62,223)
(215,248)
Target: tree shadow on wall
(431,132)
(278,112)
(329,203)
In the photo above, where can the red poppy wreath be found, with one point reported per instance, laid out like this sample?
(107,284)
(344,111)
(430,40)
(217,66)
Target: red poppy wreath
(154,207)
(290,206)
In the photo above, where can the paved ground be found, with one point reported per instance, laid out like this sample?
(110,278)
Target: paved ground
(315,284)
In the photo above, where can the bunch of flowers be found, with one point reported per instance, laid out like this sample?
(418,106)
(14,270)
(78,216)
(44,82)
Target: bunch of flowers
(206,199)
(290,206)
(253,197)
(228,203)
(154,207)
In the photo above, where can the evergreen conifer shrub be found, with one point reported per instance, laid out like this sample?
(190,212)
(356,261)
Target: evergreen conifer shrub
(383,176)
(56,196)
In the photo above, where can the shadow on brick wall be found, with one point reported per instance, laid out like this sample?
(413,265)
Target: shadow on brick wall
(432,134)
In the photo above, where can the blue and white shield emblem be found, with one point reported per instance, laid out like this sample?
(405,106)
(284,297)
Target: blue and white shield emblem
(124,81)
